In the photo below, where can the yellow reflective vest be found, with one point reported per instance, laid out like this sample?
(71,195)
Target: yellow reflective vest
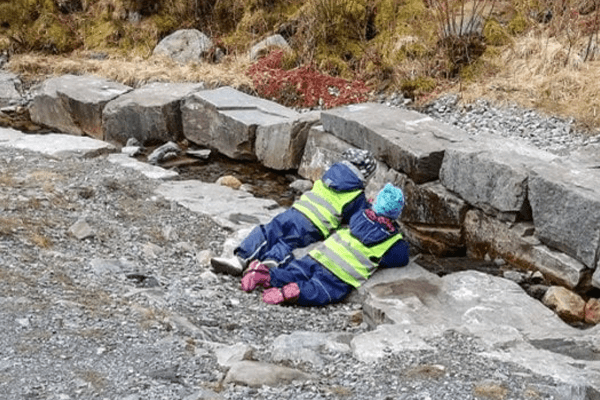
(350,260)
(324,206)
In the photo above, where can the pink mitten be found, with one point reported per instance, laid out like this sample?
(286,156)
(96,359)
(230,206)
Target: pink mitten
(288,293)
(256,274)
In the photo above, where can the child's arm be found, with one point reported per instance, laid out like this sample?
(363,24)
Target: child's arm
(395,257)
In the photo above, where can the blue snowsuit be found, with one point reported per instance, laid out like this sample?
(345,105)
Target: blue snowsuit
(292,229)
(318,285)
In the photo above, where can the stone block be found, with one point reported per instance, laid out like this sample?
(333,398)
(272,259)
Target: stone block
(322,149)
(281,147)
(492,174)
(150,114)
(565,203)
(407,141)
(231,122)
(74,104)
(487,235)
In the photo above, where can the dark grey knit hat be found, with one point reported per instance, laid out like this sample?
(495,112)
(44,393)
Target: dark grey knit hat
(362,159)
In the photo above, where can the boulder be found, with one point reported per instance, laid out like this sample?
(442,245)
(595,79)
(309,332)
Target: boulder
(414,305)
(184,46)
(74,104)
(150,114)
(516,243)
(245,127)
(10,89)
(565,203)
(407,141)
(261,48)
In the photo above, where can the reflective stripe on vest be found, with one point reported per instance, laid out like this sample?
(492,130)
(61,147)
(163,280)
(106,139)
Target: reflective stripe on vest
(323,206)
(350,260)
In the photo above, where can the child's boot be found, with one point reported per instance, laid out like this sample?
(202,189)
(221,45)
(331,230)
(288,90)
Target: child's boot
(288,294)
(257,274)
(231,266)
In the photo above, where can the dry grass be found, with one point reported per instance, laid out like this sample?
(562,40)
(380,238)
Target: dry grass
(540,72)
(132,72)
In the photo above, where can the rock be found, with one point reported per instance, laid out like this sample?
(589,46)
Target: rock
(322,149)
(407,141)
(81,230)
(234,209)
(592,311)
(10,89)
(307,346)
(151,171)
(264,46)
(565,202)
(301,185)
(245,127)
(150,114)
(257,374)
(596,277)
(492,174)
(55,145)
(229,355)
(568,305)
(229,181)
(184,46)
(164,153)
(74,104)
(484,234)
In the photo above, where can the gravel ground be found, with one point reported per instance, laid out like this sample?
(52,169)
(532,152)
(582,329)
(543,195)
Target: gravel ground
(133,312)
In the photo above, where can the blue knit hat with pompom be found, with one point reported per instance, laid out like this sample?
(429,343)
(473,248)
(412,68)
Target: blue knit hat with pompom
(389,202)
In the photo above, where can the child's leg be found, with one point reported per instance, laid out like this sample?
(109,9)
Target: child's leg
(317,285)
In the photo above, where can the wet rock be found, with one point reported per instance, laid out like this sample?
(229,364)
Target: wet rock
(568,305)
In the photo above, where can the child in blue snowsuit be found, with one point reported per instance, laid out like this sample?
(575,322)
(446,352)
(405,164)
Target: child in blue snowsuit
(342,262)
(330,203)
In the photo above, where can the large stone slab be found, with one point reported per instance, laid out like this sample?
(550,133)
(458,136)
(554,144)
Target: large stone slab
(233,122)
(151,114)
(10,89)
(565,203)
(407,141)
(509,324)
(492,174)
(73,104)
(55,144)
(234,209)
(515,243)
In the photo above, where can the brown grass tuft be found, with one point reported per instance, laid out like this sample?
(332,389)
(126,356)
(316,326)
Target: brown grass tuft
(133,72)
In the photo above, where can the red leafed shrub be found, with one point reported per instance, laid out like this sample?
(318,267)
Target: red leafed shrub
(303,86)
